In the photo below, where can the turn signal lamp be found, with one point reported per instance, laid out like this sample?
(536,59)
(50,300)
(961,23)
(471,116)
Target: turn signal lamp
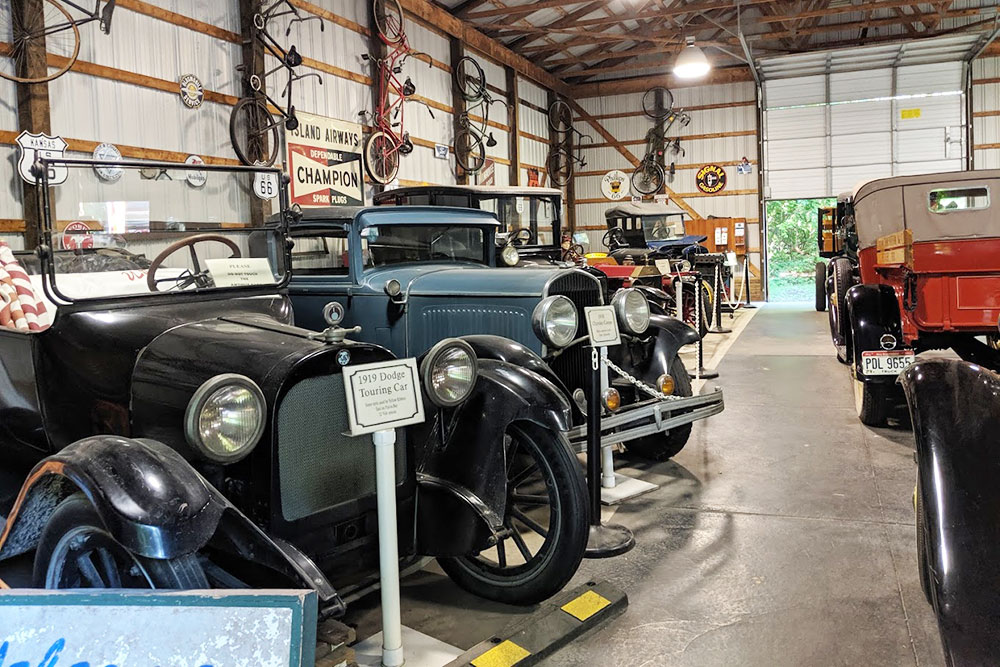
(612,399)
(665,384)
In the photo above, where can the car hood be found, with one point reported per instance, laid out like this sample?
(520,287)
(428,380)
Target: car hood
(464,280)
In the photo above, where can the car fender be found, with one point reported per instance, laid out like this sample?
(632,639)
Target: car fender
(873,312)
(649,358)
(461,456)
(956,416)
(514,353)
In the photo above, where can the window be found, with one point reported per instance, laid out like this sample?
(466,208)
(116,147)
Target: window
(461,201)
(959,199)
(538,215)
(321,254)
(396,244)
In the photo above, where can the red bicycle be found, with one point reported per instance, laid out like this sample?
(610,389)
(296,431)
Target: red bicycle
(388,140)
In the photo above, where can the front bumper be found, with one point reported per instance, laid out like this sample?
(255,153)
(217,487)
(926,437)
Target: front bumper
(633,421)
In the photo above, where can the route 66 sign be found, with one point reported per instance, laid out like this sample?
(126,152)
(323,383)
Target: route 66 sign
(265,185)
(30,147)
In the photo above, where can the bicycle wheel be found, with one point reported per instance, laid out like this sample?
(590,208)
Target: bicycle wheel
(469,79)
(25,43)
(647,179)
(254,133)
(381,158)
(560,166)
(560,116)
(652,109)
(389,21)
(469,151)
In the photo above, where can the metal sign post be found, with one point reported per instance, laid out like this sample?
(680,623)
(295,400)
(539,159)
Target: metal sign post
(701,373)
(388,547)
(746,279)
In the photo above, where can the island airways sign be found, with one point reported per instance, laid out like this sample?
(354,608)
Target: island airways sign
(324,162)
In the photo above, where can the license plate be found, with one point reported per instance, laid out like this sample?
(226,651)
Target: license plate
(886,362)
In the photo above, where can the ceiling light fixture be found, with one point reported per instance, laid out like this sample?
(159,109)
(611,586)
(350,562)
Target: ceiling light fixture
(691,62)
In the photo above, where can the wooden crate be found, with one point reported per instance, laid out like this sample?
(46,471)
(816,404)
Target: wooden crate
(895,249)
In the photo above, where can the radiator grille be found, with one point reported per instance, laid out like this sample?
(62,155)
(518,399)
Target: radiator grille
(437,322)
(318,465)
(583,290)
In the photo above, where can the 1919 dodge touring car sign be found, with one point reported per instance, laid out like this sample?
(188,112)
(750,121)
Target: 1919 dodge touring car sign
(324,162)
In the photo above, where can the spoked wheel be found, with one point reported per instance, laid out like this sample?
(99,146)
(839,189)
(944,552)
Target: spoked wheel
(560,166)
(389,21)
(560,116)
(820,279)
(77,551)
(648,178)
(469,151)
(469,79)
(22,40)
(657,109)
(546,523)
(381,158)
(254,133)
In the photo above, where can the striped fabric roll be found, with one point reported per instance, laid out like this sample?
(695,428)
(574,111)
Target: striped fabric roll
(20,308)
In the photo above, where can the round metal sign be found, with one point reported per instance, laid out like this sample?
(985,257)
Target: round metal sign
(108,153)
(195,177)
(615,185)
(711,179)
(192,92)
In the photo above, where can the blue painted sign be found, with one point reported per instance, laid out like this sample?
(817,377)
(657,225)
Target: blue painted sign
(120,628)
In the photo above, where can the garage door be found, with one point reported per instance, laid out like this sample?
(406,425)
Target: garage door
(825,133)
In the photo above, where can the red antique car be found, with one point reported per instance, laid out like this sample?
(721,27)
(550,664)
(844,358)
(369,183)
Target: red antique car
(928,277)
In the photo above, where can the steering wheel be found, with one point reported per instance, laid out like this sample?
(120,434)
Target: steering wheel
(200,278)
(521,237)
(574,253)
(614,238)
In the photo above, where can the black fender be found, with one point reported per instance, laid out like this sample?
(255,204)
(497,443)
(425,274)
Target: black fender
(956,418)
(461,456)
(872,312)
(514,353)
(154,503)
(650,357)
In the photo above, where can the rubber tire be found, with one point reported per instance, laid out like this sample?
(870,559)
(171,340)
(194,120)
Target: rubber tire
(663,446)
(656,176)
(820,286)
(560,116)
(840,269)
(871,402)
(560,164)
(384,179)
(479,78)
(184,573)
(393,7)
(922,564)
(567,552)
(649,103)
(254,109)
(472,160)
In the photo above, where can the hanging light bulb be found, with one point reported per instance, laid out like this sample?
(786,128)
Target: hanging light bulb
(691,63)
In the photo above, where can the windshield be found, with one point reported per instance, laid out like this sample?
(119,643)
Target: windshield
(662,227)
(134,231)
(383,245)
(538,215)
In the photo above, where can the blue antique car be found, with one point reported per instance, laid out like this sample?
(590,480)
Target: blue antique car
(411,276)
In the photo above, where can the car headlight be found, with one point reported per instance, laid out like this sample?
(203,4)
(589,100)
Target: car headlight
(449,372)
(225,418)
(555,321)
(632,309)
(509,255)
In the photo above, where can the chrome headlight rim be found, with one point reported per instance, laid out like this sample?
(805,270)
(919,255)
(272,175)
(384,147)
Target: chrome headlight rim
(510,256)
(539,320)
(427,368)
(621,303)
(196,405)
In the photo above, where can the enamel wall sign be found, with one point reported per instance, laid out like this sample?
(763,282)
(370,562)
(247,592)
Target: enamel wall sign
(31,147)
(108,153)
(192,92)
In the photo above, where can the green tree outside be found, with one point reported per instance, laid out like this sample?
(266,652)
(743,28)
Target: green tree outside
(792,251)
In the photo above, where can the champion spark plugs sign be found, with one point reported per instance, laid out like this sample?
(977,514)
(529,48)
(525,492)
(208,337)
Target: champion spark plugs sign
(324,162)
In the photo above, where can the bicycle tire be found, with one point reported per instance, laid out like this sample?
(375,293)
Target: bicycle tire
(647,179)
(649,103)
(51,14)
(470,154)
(560,116)
(559,164)
(253,145)
(381,158)
(471,84)
(389,21)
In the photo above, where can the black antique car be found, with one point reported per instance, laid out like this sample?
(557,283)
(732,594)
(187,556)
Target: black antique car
(837,237)
(172,428)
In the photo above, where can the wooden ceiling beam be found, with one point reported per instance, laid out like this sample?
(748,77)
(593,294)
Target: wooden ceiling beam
(521,10)
(850,25)
(639,84)
(569,19)
(875,5)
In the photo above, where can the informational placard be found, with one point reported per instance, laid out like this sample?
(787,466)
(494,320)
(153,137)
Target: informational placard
(663,266)
(276,628)
(721,236)
(239,271)
(324,162)
(383,395)
(739,229)
(602,325)
(661,198)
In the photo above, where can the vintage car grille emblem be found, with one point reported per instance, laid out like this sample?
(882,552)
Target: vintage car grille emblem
(344,357)
(887,341)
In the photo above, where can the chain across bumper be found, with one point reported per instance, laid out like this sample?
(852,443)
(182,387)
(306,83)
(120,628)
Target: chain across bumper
(621,426)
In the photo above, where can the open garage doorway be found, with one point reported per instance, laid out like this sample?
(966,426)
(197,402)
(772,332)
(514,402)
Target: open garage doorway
(792,250)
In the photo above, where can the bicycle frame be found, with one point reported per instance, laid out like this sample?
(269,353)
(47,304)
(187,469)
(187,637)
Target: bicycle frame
(90,16)
(388,82)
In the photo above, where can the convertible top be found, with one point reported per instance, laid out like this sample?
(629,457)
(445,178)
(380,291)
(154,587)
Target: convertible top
(415,215)
(523,191)
(640,209)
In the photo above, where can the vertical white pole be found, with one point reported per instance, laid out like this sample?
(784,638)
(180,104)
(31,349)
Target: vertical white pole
(388,547)
(607,456)
(679,314)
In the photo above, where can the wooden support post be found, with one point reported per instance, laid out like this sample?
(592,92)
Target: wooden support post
(252,54)
(514,123)
(378,50)
(32,114)
(458,108)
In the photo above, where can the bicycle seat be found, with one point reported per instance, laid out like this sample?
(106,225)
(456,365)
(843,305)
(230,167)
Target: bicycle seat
(293,58)
(106,14)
